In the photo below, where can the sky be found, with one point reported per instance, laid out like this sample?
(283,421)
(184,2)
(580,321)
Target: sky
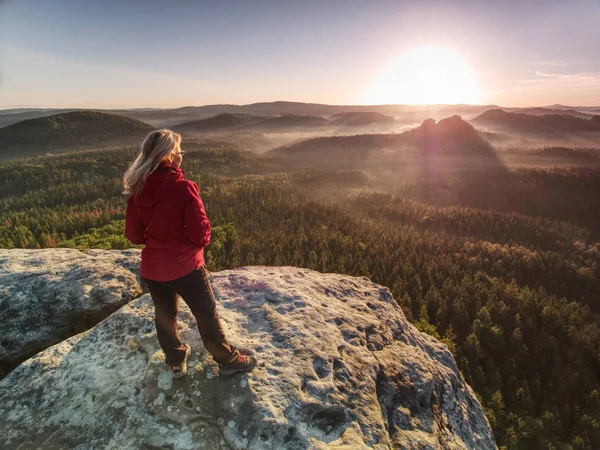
(150,53)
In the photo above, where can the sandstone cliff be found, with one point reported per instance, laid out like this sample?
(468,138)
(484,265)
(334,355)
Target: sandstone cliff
(340,367)
(47,296)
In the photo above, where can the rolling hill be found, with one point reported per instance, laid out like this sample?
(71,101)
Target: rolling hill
(68,132)
(546,111)
(449,138)
(249,123)
(290,122)
(357,119)
(550,124)
(10,117)
(408,114)
(285,123)
(220,122)
(347,152)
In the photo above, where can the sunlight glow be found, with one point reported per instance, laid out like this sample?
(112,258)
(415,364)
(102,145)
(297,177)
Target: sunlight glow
(424,76)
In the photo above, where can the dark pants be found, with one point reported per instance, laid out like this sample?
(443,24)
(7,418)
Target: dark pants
(196,291)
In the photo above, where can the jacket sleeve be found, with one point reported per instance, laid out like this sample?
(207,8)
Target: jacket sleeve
(134,231)
(196,222)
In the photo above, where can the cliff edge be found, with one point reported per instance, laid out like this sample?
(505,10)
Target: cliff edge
(340,367)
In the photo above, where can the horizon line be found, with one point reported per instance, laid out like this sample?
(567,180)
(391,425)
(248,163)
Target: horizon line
(436,105)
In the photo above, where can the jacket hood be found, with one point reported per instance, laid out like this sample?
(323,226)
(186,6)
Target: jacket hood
(156,185)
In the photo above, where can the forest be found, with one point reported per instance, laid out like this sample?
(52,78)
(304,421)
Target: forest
(503,267)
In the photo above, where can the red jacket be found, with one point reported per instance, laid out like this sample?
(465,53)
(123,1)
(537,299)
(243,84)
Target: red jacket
(168,216)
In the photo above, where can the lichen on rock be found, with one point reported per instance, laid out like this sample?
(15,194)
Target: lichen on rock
(49,295)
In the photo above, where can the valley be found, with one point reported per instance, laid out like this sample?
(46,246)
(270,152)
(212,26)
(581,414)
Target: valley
(489,245)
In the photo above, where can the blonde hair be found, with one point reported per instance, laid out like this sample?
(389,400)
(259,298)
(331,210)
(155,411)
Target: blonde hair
(159,146)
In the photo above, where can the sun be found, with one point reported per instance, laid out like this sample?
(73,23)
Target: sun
(424,76)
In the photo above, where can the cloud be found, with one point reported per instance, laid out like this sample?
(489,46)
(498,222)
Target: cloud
(552,63)
(546,87)
(583,79)
(546,75)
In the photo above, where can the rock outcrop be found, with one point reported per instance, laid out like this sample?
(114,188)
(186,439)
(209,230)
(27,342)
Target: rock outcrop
(340,367)
(47,296)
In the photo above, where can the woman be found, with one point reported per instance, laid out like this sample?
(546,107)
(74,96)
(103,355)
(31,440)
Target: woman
(165,213)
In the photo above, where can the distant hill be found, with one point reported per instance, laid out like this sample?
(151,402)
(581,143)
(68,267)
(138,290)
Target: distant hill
(557,106)
(222,121)
(290,122)
(67,132)
(451,137)
(252,123)
(550,124)
(547,111)
(405,113)
(573,112)
(356,119)
(10,117)
(171,117)
(317,109)
(347,152)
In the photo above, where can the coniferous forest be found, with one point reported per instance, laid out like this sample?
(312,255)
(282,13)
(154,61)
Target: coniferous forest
(503,266)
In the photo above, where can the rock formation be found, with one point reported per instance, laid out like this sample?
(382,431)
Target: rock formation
(47,296)
(340,367)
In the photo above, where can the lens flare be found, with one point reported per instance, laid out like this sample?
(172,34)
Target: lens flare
(424,76)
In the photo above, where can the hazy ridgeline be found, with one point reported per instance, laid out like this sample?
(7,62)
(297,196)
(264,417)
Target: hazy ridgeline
(489,246)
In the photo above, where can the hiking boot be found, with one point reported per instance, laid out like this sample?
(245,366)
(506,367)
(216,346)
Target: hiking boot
(180,369)
(243,363)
